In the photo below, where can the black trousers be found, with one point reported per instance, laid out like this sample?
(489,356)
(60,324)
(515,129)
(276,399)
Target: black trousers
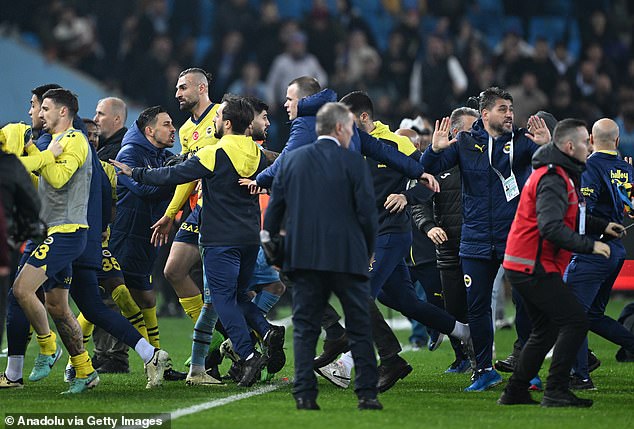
(387,345)
(311,291)
(557,319)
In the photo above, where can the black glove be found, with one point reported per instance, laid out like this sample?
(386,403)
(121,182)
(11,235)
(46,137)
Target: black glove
(273,248)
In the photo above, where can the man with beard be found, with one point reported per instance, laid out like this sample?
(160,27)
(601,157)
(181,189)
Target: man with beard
(229,237)
(494,160)
(192,92)
(139,207)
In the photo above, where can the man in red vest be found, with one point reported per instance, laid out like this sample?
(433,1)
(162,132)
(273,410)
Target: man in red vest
(538,249)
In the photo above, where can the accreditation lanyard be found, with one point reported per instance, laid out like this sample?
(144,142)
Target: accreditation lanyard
(511,190)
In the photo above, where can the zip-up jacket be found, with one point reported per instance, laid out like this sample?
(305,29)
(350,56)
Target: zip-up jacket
(544,229)
(487,215)
(230,215)
(303,133)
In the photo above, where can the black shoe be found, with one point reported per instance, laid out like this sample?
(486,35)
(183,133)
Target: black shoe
(332,349)
(251,369)
(369,404)
(564,398)
(113,367)
(171,374)
(98,361)
(512,397)
(506,365)
(214,372)
(273,343)
(593,361)
(306,404)
(390,374)
(234,373)
(578,383)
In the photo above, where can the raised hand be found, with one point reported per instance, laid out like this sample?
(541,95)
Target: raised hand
(539,131)
(440,139)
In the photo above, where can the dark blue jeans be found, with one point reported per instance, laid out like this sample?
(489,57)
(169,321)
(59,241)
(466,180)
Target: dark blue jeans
(311,291)
(591,278)
(228,271)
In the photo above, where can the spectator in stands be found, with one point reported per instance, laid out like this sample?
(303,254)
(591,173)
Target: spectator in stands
(293,63)
(225,62)
(439,78)
(528,97)
(325,35)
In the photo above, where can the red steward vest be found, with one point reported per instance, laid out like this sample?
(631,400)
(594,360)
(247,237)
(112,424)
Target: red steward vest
(525,246)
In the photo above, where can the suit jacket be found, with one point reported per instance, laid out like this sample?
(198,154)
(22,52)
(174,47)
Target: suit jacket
(325,194)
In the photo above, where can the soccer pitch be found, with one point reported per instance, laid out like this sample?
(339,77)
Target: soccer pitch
(427,398)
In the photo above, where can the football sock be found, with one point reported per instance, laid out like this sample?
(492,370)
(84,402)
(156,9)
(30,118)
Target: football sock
(82,364)
(129,308)
(265,301)
(151,323)
(192,305)
(203,331)
(15,366)
(47,343)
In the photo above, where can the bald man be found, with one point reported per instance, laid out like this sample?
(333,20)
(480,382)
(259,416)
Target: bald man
(111,114)
(589,276)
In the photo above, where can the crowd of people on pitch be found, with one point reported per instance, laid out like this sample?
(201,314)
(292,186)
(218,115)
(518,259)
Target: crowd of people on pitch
(446,210)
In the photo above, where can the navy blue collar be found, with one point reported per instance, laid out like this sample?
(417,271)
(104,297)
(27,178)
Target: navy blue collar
(196,122)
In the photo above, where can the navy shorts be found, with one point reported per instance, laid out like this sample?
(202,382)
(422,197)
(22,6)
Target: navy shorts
(110,268)
(138,282)
(263,273)
(188,231)
(56,254)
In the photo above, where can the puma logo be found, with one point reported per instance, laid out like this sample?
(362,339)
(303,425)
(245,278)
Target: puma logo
(480,147)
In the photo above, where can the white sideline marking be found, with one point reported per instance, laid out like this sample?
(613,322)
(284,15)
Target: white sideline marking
(224,401)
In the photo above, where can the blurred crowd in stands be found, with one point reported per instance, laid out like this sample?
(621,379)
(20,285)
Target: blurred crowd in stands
(413,57)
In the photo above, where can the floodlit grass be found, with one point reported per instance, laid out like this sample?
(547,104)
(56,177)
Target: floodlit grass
(428,398)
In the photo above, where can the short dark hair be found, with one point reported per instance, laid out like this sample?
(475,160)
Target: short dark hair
(566,128)
(197,70)
(39,91)
(489,96)
(148,117)
(306,85)
(359,102)
(88,121)
(64,97)
(239,111)
(257,104)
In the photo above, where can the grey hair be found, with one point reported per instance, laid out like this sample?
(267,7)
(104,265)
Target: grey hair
(329,115)
(457,116)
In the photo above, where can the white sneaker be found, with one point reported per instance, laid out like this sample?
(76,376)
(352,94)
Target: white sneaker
(155,368)
(337,373)
(202,379)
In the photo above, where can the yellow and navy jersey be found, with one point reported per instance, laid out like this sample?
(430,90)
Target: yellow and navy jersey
(112,177)
(388,181)
(14,136)
(193,135)
(58,171)
(196,134)
(605,173)
(230,214)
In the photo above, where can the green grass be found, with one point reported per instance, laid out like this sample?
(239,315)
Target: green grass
(427,398)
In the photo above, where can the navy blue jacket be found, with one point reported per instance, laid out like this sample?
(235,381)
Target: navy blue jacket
(303,133)
(604,172)
(326,193)
(138,206)
(487,215)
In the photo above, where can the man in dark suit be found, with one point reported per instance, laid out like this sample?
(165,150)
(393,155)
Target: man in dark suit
(325,193)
